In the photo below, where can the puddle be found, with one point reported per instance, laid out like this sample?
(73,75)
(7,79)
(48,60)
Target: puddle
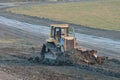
(100,42)
(4,5)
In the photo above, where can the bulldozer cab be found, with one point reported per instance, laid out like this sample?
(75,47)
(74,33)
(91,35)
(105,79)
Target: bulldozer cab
(57,31)
(59,35)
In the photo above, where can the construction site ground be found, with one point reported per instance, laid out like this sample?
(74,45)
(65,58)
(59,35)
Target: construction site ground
(17,45)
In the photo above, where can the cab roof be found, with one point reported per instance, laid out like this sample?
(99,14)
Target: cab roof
(60,25)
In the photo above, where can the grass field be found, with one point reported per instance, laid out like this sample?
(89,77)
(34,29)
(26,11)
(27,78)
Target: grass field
(104,14)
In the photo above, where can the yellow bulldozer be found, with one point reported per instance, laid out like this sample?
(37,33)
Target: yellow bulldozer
(61,48)
(59,36)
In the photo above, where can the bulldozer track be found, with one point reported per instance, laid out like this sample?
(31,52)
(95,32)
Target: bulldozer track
(89,68)
(115,61)
(98,70)
(94,69)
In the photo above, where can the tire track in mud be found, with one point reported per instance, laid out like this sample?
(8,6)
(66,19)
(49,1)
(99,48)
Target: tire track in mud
(98,70)
(91,68)
(23,61)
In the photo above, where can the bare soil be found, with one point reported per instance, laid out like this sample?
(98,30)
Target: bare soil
(15,66)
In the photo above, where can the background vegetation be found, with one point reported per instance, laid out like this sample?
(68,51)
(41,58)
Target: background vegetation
(103,14)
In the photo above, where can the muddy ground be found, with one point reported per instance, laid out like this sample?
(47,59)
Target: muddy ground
(16,46)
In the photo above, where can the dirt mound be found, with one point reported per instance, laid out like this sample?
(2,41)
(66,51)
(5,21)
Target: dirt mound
(86,57)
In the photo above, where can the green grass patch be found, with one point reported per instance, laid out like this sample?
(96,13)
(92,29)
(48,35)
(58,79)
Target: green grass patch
(103,14)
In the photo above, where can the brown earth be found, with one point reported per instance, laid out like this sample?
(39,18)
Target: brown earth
(16,47)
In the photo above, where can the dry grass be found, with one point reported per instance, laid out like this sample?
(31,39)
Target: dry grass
(104,14)
(7,40)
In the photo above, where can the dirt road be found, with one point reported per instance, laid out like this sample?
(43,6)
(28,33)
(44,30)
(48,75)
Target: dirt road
(30,31)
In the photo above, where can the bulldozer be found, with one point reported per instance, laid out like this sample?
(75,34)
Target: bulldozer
(61,48)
